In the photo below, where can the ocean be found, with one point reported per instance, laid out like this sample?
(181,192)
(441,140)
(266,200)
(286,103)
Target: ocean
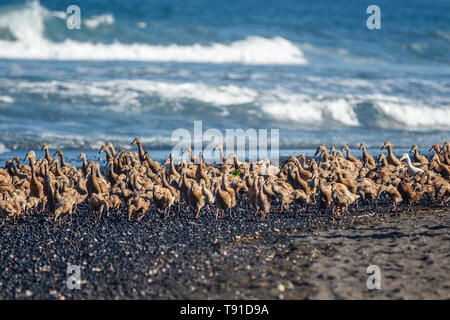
(311,69)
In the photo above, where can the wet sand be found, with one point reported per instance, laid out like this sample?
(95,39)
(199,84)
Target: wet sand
(411,250)
(285,256)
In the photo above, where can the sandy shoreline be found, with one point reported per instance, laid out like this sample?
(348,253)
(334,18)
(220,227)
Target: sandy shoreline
(412,251)
(301,256)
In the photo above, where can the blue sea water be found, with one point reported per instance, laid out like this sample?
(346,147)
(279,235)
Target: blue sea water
(311,69)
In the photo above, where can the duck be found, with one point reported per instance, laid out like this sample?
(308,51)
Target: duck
(63,203)
(322,151)
(325,196)
(391,158)
(351,158)
(408,193)
(196,199)
(114,203)
(139,205)
(223,200)
(418,157)
(47,153)
(367,189)
(437,166)
(348,182)
(222,159)
(67,169)
(442,193)
(192,159)
(138,142)
(262,203)
(97,204)
(369,161)
(304,174)
(12,208)
(285,195)
(163,199)
(392,193)
(82,157)
(342,197)
(301,198)
(209,196)
(438,151)
(93,184)
(412,170)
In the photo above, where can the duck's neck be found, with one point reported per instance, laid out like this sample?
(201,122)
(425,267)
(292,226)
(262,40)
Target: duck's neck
(224,159)
(63,162)
(113,150)
(47,155)
(108,155)
(408,161)
(347,151)
(389,149)
(141,150)
(84,163)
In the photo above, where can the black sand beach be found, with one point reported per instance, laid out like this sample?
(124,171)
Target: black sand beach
(285,256)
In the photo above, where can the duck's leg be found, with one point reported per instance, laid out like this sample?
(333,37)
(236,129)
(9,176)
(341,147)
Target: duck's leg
(197,215)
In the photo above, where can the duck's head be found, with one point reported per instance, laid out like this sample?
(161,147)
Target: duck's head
(81,156)
(404,156)
(320,150)
(58,153)
(386,145)
(103,148)
(30,155)
(435,147)
(413,148)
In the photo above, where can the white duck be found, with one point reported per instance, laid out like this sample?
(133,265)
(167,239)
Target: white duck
(412,171)
(268,169)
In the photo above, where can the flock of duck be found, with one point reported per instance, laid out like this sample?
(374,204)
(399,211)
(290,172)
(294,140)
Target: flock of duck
(333,182)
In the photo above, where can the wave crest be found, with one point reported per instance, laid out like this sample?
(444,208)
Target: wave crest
(27,25)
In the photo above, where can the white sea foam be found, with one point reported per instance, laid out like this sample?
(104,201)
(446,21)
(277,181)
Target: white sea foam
(95,21)
(111,90)
(6,99)
(412,116)
(305,109)
(3,149)
(27,24)
(252,50)
(279,104)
